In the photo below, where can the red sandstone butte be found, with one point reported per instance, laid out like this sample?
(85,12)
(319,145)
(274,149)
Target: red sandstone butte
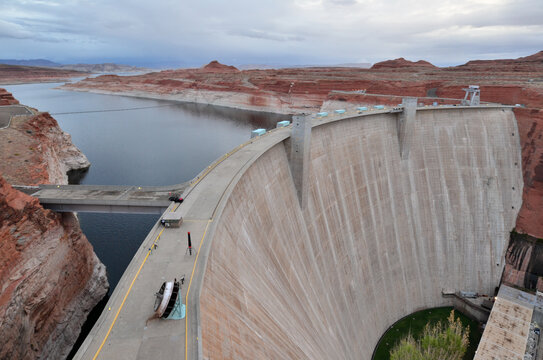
(216,66)
(401,63)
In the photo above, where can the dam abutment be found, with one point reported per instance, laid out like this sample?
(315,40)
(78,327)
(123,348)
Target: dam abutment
(383,232)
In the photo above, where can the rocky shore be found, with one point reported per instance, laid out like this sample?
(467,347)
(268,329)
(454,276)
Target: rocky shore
(50,277)
(34,150)
(6,98)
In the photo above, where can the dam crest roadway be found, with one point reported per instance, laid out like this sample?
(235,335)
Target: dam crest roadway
(306,237)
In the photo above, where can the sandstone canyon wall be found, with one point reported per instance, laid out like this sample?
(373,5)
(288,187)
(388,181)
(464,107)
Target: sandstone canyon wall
(34,150)
(50,277)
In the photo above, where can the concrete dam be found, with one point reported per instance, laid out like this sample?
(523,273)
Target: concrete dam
(379,238)
(317,238)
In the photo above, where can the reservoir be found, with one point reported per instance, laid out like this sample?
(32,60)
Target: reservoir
(136,141)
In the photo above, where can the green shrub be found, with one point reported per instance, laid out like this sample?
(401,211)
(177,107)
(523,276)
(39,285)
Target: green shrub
(438,342)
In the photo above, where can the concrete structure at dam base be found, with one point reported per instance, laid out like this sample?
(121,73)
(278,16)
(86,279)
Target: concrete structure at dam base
(513,331)
(311,247)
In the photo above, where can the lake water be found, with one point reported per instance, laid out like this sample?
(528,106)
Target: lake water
(155,143)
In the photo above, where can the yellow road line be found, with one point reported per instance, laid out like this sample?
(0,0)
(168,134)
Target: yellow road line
(126,296)
(224,157)
(194,183)
(188,290)
(211,167)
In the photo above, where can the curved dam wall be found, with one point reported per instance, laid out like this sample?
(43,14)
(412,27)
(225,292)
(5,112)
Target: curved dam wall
(379,238)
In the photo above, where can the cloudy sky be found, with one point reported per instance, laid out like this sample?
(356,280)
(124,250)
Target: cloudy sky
(191,33)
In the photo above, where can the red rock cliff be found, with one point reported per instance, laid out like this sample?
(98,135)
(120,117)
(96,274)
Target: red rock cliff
(34,150)
(6,98)
(50,278)
(524,261)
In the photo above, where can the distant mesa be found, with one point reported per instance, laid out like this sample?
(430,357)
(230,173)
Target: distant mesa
(216,66)
(90,68)
(287,66)
(537,57)
(402,63)
(17,74)
(534,59)
(103,68)
(30,62)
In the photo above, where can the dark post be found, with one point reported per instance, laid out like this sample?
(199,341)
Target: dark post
(190,244)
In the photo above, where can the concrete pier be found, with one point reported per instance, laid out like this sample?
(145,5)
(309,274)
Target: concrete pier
(380,237)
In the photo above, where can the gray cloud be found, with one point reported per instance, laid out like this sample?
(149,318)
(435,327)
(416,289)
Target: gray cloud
(343,2)
(279,31)
(14,31)
(257,34)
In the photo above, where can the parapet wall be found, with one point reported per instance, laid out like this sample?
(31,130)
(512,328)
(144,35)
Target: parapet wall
(380,236)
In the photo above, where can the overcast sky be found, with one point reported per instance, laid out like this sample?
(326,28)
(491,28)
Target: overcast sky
(191,33)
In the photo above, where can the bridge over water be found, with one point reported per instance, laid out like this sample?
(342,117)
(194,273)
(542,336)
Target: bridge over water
(105,198)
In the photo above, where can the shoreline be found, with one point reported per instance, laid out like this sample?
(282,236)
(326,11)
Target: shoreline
(23,82)
(147,95)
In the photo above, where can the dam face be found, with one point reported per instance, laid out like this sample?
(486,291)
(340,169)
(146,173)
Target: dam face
(380,237)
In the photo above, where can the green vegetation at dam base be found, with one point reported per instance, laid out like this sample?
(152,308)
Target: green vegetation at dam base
(415,324)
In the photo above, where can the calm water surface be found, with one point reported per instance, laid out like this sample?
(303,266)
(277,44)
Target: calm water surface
(164,143)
